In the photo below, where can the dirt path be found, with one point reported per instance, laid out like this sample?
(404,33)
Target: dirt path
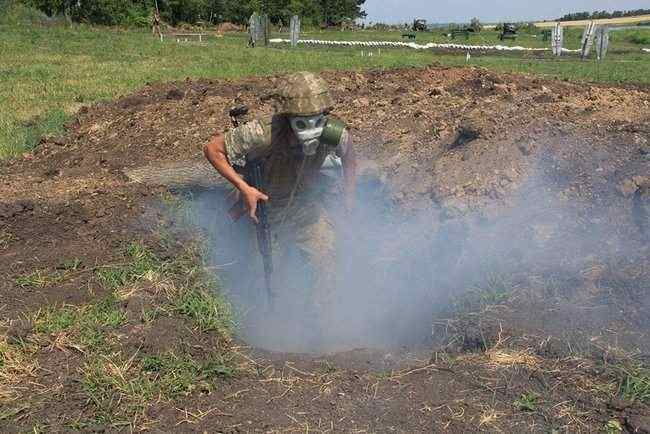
(462,140)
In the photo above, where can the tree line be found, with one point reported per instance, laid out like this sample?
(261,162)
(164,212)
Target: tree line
(597,15)
(138,12)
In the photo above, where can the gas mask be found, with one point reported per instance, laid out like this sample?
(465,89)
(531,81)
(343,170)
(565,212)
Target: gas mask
(308,129)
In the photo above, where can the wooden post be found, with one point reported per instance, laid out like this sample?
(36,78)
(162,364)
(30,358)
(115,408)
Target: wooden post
(587,39)
(557,39)
(294,29)
(266,24)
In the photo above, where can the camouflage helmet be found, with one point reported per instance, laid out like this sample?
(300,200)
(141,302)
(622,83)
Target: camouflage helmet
(304,94)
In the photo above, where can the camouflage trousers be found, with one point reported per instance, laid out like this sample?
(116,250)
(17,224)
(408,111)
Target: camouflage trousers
(303,243)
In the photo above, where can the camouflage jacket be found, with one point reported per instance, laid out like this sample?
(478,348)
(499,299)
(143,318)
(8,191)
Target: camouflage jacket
(273,140)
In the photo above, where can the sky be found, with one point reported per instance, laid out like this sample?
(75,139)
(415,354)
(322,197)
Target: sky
(446,11)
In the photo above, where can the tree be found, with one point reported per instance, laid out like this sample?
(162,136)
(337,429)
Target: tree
(475,25)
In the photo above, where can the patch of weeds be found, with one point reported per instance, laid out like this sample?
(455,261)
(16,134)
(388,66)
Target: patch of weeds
(188,287)
(39,279)
(142,263)
(16,365)
(97,318)
(635,384)
(70,264)
(12,411)
(151,314)
(613,427)
(194,296)
(120,387)
(327,367)
(115,389)
(39,428)
(87,325)
(18,136)
(55,320)
(206,310)
(6,238)
(175,375)
(527,402)
(494,290)
(553,288)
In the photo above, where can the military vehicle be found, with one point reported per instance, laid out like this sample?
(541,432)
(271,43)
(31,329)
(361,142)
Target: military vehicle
(509,32)
(420,25)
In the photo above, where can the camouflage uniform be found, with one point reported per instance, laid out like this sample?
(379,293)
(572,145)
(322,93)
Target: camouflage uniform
(306,222)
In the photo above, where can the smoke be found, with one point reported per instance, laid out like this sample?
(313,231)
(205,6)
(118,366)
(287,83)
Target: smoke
(396,269)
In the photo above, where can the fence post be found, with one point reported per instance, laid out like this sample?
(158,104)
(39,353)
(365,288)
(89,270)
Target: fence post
(294,28)
(602,42)
(557,39)
(587,39)
(266,24)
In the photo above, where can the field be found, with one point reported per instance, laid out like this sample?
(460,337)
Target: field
(495,271)
(50,72)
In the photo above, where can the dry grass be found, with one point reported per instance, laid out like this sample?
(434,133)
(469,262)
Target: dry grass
(509,357)
(489,417)
(17,366)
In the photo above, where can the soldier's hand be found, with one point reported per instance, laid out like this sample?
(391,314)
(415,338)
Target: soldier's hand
(251,197)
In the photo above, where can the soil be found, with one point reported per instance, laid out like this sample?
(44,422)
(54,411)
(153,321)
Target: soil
(463,140)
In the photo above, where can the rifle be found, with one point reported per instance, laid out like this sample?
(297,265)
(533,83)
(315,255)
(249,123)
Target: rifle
(255,179)
(254,175)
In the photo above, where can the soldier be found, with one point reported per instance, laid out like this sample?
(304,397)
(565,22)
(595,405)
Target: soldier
(293,144)
(155,24)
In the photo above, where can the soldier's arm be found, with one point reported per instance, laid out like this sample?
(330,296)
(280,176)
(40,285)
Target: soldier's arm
(215,152)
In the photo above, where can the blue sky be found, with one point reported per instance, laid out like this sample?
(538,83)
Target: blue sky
(443,11)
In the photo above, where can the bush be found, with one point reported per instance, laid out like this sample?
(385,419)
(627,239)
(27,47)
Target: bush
(638,37)
(15,13)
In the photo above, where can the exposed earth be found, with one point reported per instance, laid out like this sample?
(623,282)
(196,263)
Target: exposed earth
(556,341)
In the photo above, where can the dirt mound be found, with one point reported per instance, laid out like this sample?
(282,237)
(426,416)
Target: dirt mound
(229,27)
(468,146)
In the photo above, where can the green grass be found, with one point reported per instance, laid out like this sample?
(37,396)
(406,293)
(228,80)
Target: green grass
(117,384)
(48,72)
(189,288)
(140,264)
(119,387)
(635,384)
(494,289)
(527,402)
(39,279)
(88,326)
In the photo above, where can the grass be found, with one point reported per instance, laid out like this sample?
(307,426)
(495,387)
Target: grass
(527,402)
(87,327)
(49,72)
(141,264)
(494,289)
(119,385)
(188,287)
(16,365)
(41,278)
(6,238)
(635,384)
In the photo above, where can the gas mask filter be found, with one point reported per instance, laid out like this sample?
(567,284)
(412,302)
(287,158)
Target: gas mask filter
(308,129)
